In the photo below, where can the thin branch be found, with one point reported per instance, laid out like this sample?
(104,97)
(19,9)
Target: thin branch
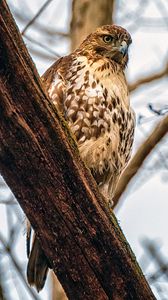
(149,79)
(17,266)
(36,16)
(160,112)
(144,150)
(2,289)
(158,258)
(44,47)
(47,30)
(9,201)
(41,54)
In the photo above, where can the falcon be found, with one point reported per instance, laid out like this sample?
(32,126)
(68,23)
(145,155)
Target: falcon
(89,88)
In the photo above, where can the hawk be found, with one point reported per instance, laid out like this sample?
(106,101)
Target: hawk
(89,88)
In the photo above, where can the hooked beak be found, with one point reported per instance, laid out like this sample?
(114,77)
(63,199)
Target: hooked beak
(123,48)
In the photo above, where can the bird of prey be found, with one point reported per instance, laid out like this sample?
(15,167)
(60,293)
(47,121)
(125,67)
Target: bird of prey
(89,88)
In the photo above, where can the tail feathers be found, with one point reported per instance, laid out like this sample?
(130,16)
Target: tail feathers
(37,268)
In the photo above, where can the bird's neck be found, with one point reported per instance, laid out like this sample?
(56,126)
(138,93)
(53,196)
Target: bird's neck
(98,64)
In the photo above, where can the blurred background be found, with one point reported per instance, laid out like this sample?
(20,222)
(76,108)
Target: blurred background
(52,29)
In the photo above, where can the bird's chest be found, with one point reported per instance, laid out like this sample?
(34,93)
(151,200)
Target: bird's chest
(98,112)
(96,101)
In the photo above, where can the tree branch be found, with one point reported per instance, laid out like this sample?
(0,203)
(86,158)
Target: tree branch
(143,151)
(43,46)
(36,16)
(2,292)
(149,79)
(17,267)
(40,162)
(46,30)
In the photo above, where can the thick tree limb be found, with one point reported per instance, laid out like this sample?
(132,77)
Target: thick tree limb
(87,15)
(40,163)
(143,151)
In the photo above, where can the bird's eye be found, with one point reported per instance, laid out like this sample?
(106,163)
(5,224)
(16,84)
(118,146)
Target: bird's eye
(107,39)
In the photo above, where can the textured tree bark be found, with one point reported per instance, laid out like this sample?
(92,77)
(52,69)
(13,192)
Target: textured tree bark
(87,15)
(40,162)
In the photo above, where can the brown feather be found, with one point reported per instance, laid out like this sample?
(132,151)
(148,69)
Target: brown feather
(37,268)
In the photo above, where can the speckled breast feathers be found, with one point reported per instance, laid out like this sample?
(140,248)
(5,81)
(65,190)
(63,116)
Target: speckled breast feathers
(90,89)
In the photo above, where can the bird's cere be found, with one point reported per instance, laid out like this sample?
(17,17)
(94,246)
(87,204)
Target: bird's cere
(123,48)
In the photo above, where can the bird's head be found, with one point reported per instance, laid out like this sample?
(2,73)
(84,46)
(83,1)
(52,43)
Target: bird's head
(110,41)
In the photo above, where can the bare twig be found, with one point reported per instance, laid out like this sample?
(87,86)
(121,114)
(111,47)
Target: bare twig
(36,16)
(153,250)
(144,150)
(160,112)
(8,202)
(47,30)
(148,79)
(44,47)
(2,290)
(41,54)
(17,267)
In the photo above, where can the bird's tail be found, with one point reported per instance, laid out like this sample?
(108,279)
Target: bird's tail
(37,267)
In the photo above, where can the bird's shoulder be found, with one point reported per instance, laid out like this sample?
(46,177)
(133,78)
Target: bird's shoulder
(59,67)
(54,80)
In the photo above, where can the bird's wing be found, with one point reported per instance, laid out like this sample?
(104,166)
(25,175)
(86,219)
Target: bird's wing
(54,82)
